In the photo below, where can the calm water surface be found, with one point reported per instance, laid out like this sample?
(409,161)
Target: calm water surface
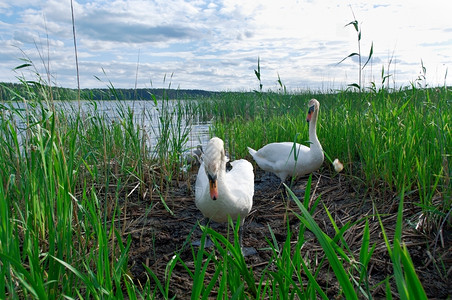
(146,114)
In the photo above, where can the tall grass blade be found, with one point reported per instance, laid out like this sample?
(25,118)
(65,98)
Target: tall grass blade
(370,55)
(365,255)
(33,285)
(87,280)
(330,253)
(407,281)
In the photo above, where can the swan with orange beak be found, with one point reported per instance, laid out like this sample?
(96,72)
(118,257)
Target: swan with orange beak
(292,159)
(220,194)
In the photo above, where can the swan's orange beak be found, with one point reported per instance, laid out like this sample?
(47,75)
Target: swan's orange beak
(310,111)
(213,187)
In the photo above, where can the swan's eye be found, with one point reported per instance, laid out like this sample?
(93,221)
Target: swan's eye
(310,111)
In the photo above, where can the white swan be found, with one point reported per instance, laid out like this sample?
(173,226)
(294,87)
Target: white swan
(219,194)
(281,159)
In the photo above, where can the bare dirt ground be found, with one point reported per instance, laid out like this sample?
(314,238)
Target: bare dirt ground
(157,235)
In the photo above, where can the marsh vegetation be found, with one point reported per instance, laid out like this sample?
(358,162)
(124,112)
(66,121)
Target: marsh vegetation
(91,209)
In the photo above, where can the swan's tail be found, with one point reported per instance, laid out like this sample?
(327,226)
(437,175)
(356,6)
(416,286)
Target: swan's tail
(252,151)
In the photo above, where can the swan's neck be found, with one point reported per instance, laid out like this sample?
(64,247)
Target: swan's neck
(222,172)
(222,185)
(313,131)
(217,167)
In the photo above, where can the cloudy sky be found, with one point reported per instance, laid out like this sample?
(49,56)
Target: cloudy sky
(215,45)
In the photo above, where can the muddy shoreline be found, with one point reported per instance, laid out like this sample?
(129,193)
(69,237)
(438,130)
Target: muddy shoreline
(157,235)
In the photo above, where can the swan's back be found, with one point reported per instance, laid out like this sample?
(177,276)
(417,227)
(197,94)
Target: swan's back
(284,159)
(240,179)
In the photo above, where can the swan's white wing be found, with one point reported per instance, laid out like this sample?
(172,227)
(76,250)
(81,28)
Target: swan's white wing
(202,183)
(279,158)
(240,178)
(275,152)
(240,183)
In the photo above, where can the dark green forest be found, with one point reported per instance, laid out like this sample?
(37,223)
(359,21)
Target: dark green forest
(19,91)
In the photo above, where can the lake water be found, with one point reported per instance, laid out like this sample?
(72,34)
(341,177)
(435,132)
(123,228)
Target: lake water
(146,114)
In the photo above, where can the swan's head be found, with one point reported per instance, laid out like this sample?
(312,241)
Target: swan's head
(313,107)
(214,159)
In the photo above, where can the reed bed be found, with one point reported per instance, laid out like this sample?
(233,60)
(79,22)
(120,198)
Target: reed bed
(398,140)
(67,181)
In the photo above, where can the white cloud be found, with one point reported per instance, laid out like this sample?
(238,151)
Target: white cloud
(215,44)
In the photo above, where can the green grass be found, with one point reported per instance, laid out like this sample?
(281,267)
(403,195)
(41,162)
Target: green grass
(66,179)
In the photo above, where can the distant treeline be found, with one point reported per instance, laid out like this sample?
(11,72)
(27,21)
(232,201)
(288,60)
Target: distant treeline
(11,91)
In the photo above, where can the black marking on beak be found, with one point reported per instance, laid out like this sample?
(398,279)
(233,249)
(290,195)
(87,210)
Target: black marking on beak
(213,186)
(212,178)
(310,111)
